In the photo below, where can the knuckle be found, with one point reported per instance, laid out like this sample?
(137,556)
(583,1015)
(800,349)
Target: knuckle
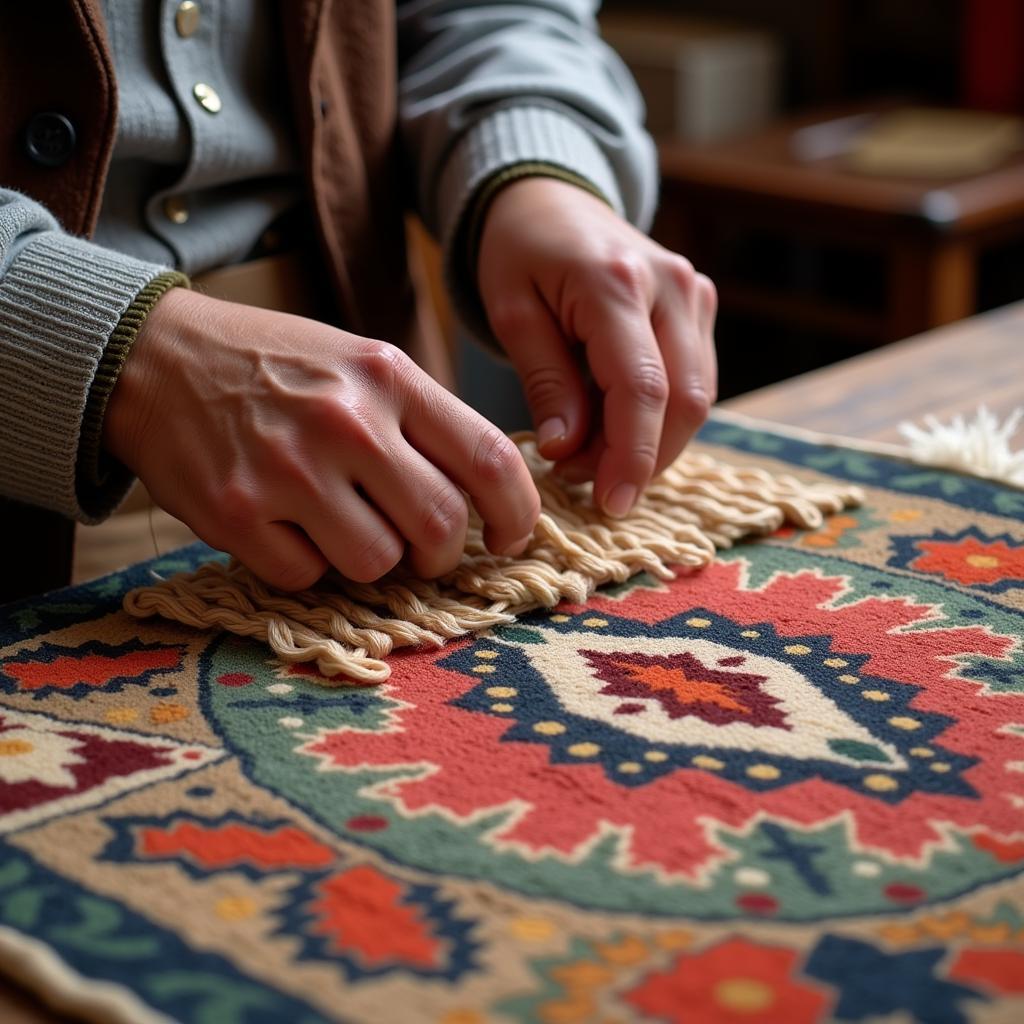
(649,384)
(544,387)
(707,292)
(444,517)
(385,365)
(693,404)
(239,507)
(510,317)
(496,457)
(373,556)
(296,575)
(354,420)
(680,272)
(626,271)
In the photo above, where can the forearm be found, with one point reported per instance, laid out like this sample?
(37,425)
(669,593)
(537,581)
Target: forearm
(493,90)
(62,300)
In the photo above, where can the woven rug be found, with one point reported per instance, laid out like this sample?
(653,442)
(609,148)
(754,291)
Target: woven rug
(787,788)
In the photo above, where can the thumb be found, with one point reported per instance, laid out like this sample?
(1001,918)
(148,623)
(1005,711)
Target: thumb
(550,377)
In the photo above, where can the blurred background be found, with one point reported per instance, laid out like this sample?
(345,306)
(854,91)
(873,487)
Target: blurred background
(848,172)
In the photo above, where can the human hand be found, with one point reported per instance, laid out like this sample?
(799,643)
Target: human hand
(557,267)
(294,445)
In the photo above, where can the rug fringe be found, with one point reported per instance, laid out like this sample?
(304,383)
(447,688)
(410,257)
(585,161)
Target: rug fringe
(694,507)
(980,446)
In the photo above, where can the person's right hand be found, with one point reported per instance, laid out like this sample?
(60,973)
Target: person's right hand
(294,445)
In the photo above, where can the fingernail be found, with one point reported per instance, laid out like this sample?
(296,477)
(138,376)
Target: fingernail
(552,429)
(620,501)
(517,547)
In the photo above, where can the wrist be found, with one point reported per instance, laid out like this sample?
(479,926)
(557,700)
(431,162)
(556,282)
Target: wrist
(127,379)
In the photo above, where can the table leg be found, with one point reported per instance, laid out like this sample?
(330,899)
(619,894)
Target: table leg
(952,273)
(930,285)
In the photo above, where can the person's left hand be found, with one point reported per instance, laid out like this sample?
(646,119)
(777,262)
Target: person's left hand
(557,267)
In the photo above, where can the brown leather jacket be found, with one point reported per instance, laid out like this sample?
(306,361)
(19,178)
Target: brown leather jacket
(341,59)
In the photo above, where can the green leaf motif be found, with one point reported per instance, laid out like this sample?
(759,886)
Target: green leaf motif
(97,931)
(858,750)
(218,1000)
(518,634)
(1010,503)
(853,464)
(28,618)
(948,484)
(23,908)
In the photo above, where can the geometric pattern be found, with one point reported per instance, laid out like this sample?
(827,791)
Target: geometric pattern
(969,557)
(786,787)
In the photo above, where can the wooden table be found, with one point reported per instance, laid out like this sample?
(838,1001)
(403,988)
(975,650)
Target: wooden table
(943,372)
(925,235)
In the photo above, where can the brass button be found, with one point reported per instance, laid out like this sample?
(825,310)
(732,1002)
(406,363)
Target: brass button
(186,18)
(207,96)
(176,209)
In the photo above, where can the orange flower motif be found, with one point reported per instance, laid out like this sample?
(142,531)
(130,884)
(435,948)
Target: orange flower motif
(969,558)
(736,981)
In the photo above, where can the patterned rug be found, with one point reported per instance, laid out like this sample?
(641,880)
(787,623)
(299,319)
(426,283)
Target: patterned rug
(786,789)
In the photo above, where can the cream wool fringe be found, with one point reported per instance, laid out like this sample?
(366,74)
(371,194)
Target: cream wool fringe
(980,446)
(697,505)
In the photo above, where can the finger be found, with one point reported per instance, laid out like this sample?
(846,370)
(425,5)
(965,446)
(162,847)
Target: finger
(481,460)
(551,379)
(427,509)
(353,535)
(682,325)
(628,367)
(280,554)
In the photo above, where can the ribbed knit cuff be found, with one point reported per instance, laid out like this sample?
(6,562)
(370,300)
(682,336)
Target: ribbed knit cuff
(508,144)
(95,468)
(60,301)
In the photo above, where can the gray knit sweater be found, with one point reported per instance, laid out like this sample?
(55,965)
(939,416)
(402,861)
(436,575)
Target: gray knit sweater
(484,87)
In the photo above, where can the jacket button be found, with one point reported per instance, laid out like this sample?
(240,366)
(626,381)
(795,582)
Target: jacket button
(186,18)
(50,139)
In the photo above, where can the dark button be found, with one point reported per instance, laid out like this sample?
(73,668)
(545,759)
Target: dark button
(50,139)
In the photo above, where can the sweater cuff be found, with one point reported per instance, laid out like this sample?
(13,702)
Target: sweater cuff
(96,471)
(509,144)
(60,302)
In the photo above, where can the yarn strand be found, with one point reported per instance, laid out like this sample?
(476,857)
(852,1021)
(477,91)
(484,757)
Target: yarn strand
(695,507)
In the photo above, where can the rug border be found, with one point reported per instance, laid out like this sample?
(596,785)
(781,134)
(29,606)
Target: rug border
(33,963)
(884,448)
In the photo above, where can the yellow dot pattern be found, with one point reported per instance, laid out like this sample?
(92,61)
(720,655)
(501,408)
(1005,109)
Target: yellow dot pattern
(558,618)
(584,749)
(849,679)
(763,771)
(655,756)
(922,752)
(698,623)
(531,929)
(905,723)
(502,708)
(836,663)
(876,695)
(881,783)
(549,728)
(484,670)
(797,649)
(712,764)
(486,655)
(595,623)
(501,691)
(630,767)
(744,995)
(750,634)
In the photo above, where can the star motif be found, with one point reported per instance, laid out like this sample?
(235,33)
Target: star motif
(683,685)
